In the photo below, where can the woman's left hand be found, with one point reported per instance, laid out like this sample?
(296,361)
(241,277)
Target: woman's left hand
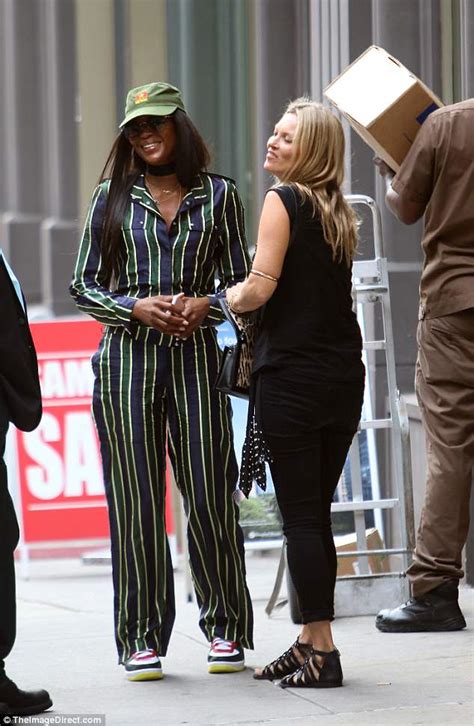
(195,311)
(232,293)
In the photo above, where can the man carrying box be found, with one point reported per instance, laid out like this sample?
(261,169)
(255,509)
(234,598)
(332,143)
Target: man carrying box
(436,179)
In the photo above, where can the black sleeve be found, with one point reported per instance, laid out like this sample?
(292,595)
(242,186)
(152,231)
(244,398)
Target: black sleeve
(19,382)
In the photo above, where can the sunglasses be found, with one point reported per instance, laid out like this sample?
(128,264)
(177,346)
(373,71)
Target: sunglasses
(135,128)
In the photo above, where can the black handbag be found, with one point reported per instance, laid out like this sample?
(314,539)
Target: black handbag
(235,370)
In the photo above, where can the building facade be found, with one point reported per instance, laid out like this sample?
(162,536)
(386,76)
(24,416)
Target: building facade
(237,62)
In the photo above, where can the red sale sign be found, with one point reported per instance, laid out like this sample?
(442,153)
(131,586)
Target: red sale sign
(59,466)
(60,475)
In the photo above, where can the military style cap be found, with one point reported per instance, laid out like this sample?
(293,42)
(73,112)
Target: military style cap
(153,99)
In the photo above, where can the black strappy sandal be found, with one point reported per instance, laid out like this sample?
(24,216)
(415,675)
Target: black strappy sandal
(286,663)
(313,675)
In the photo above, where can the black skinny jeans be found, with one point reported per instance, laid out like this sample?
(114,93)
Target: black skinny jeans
(308,429)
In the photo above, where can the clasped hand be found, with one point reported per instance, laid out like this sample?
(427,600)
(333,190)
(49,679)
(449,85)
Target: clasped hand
(176,315)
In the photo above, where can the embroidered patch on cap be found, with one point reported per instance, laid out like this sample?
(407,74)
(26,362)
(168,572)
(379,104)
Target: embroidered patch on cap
(141,97)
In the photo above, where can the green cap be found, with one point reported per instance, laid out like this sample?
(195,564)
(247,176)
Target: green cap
(153,99)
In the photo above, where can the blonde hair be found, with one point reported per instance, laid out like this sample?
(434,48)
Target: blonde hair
(318,172)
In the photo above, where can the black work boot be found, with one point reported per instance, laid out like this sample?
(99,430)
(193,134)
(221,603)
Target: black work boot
(15,702)
(436,610)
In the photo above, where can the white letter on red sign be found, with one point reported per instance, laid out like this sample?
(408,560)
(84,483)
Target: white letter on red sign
(79,378)
(52,380)
(81,456)
(44,481)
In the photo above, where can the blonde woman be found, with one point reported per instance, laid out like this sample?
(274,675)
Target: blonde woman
(308,373)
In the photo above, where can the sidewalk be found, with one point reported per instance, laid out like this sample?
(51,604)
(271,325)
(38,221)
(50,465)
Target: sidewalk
(65,644)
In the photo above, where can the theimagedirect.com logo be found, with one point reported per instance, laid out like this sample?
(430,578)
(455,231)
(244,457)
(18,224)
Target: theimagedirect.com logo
(54,720)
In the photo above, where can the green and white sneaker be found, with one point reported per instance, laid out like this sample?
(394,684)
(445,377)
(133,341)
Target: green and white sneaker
(144,665)
(225,656)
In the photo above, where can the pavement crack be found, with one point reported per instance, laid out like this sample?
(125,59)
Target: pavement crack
(401,707)
(291,692)
(191,637)
(54,605)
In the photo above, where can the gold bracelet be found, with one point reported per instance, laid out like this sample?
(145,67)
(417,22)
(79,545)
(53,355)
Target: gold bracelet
(263,274)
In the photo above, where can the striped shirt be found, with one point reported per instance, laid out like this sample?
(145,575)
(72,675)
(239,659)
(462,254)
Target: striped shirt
(206,241)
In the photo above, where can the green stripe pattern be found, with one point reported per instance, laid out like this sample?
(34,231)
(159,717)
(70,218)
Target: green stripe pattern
(146,395)
(152,396)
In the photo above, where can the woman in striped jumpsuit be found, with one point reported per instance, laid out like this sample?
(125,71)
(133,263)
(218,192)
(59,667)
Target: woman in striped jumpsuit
(158,232)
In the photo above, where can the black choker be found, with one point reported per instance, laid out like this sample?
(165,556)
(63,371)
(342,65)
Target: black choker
(161,169)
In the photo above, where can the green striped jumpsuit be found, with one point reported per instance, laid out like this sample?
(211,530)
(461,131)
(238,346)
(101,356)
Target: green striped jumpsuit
(152,394)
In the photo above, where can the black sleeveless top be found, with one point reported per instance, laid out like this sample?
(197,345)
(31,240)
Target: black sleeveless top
(308,327)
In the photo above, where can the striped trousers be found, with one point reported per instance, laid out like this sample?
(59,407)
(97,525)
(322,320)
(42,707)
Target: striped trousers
(147,396)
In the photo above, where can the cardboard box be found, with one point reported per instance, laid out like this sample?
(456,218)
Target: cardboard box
(383,102)
(350,565)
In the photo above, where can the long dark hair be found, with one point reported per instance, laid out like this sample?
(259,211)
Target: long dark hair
(123,167)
